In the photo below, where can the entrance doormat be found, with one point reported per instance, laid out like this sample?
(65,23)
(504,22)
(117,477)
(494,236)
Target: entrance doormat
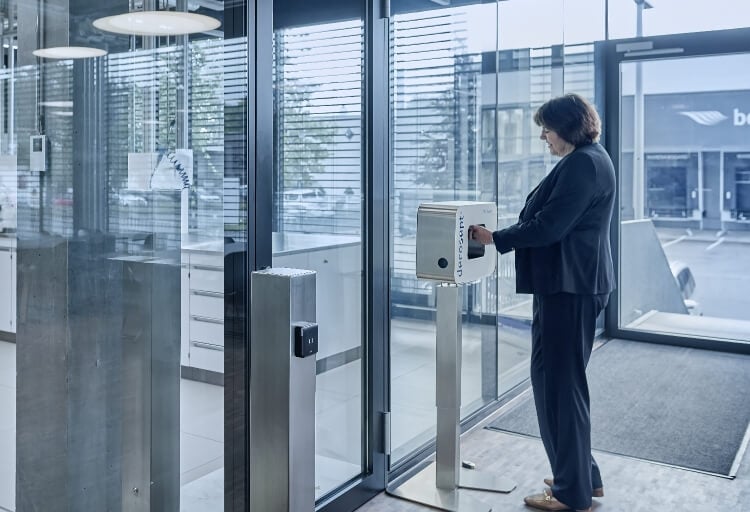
(678,406)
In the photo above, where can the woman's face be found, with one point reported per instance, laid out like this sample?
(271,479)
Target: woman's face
(557,145)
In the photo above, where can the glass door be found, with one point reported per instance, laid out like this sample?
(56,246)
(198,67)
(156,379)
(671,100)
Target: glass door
(465,84)
(442,149)
(318,219)
(319,223)
(683,138)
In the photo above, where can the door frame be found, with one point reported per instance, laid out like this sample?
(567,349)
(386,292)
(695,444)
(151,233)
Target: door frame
(376,268)
(640,49)
(260,207)
(250,19)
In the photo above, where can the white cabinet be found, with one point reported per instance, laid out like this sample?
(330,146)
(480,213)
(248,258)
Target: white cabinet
(202,319)
(338,291)
(7,285)
(338,297)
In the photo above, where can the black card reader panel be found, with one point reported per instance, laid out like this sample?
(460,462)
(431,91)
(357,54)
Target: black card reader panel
(305,339)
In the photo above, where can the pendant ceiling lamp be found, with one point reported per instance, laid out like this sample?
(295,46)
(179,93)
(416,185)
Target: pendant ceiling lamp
(69,52)
(157,23)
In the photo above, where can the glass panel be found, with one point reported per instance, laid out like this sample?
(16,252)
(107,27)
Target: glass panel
(119,204)
(660,17)
(684,177)
(450,67)
(317,220)
(532,68)
(443,133)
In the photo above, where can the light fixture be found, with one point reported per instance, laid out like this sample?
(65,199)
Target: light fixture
(157,23)
(69,52)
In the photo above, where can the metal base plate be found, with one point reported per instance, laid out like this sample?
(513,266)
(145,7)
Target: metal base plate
(474,479)
(421,489)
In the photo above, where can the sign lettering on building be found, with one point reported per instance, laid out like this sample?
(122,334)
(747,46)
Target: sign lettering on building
(741,118)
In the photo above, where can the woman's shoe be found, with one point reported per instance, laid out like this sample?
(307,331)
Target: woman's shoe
(546,501)
(596,493)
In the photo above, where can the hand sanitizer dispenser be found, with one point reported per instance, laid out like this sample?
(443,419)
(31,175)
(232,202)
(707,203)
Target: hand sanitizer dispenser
(444,251)
(446,254)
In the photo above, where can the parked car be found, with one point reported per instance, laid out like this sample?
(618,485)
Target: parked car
(125,198)
(686,283)
(306,201)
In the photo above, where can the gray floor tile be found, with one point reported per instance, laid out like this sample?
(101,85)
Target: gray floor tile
(204,494)
(630,485)
(202,410)
(196,451)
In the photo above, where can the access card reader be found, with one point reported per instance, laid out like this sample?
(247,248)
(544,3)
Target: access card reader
(305,339)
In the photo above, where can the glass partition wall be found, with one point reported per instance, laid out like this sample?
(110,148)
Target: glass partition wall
(323,217)
(317,220)
(134,199)
(129,171)
(123,195)
(465,80)
(464,86)
(437,91)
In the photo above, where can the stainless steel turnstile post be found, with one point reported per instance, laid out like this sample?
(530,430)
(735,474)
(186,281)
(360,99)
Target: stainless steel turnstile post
(282,390)
(438,484)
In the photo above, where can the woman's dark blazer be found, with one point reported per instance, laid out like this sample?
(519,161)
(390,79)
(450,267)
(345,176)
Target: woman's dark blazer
(561,239)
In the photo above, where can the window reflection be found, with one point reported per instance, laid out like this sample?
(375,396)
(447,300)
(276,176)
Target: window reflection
(462,129)
(120,185)
(317,220)
(444,147)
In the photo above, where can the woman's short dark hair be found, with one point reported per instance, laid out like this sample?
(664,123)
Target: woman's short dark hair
(572,117)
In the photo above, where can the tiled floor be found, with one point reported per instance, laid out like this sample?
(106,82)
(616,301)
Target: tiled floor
(630,485)
(338,410)
(201,429)
(338,430)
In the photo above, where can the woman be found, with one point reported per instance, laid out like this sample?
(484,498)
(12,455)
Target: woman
(563,258)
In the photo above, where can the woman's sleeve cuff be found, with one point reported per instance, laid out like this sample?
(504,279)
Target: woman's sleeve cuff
(502,242)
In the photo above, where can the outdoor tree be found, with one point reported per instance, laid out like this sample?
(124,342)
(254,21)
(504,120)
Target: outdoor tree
(435,142)
(305,136)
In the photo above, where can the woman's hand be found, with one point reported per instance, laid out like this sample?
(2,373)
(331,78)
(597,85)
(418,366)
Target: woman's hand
(480,234)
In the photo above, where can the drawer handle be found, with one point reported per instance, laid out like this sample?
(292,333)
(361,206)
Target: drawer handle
(208,346)
(208,267)
(217,295)
(207,319)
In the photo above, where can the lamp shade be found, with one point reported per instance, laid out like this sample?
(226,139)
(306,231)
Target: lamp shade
(157,23)
(69,52)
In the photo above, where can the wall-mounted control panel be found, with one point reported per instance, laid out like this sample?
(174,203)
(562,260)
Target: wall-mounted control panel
(38,153)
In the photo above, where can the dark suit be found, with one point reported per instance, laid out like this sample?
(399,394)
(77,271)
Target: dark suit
(563,257)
